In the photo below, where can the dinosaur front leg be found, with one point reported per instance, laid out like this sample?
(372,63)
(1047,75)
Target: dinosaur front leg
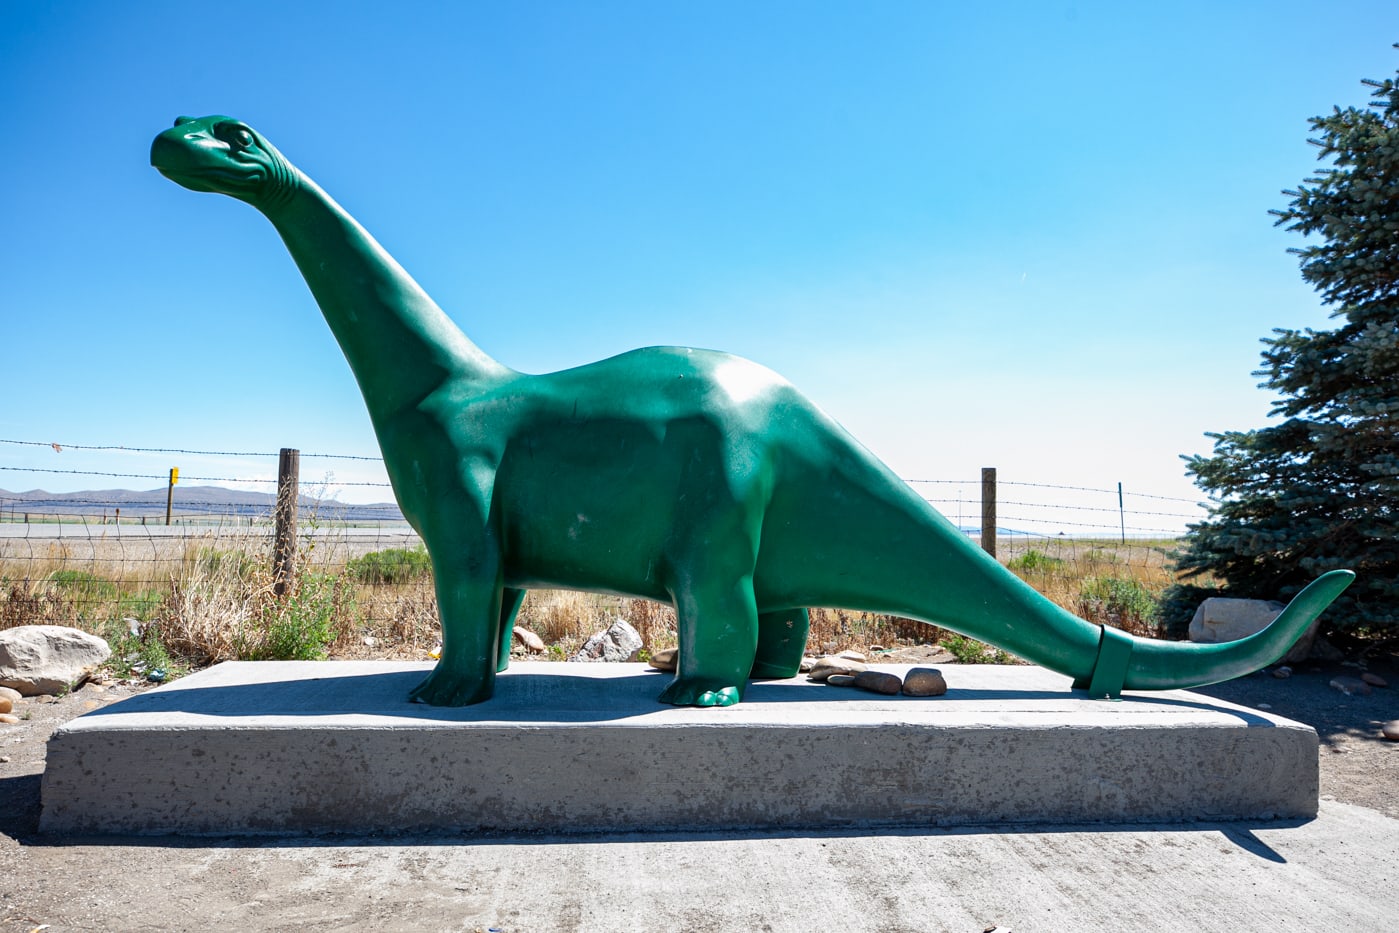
(469,603)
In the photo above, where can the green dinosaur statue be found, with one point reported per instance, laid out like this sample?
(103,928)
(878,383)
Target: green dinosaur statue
(686,476)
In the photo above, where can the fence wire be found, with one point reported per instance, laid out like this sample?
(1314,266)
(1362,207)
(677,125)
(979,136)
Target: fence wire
(105,558)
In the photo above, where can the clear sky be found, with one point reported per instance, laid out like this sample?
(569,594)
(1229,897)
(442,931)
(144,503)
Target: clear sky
(1025,235)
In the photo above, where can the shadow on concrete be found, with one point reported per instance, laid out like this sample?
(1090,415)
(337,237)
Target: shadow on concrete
(1241,834)
(558,698)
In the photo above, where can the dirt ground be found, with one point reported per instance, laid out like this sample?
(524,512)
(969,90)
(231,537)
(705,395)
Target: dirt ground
(48,884)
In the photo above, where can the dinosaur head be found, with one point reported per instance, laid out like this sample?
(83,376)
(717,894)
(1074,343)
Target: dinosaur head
(222,155)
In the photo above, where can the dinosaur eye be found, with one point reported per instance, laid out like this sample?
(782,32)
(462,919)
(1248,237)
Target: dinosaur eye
(235,135)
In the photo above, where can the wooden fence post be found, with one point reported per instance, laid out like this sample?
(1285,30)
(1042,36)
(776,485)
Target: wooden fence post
(284,547)
(988,510)
(170,492)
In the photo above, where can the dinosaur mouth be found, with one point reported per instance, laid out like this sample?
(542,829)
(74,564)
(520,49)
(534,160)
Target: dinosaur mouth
(210,179)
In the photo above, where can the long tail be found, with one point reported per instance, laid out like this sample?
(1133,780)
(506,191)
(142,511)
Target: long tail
(1127,662)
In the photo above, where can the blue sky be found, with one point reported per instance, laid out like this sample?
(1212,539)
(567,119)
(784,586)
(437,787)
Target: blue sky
(1024,235)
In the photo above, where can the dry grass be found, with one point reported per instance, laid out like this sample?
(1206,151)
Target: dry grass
(210,598)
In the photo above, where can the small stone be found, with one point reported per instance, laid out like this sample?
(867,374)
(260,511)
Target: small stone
(1265,706)
(828,666)
(1282,673)
(842,680)
(879,682)
(93,689)
(1390,730)
(806,665)
(665,659)
(4,759)
(1374,680)
(852,656)
(531,641)
(46,698)
(369,641)
(1351,686)
(9,718)
(924,682)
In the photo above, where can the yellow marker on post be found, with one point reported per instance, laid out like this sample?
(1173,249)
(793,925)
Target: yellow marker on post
(170,492)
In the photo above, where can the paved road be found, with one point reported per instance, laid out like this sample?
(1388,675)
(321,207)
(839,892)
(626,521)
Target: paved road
(135,530)
(1333,873)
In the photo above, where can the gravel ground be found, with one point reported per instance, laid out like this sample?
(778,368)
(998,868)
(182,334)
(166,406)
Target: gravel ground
(200,884)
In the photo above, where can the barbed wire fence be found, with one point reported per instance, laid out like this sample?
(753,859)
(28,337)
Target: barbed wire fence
(116,554)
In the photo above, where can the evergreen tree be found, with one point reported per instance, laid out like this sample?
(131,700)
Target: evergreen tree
(1320,490)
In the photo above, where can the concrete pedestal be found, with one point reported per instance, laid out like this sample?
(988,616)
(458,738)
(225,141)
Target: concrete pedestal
(311,747)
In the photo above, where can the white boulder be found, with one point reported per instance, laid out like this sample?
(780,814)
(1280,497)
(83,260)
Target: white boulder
(1220,619)
(48,659)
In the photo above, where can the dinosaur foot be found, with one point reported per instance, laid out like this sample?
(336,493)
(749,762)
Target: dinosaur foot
(446,687)
(700,691)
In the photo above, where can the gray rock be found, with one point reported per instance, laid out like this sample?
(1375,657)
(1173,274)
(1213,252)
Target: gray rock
(827,666)
(1220,619)
(1351,686)
(1374,680)
(924,682)
(1282,673)
(879,682)
(667,659)
(1323,650)
(851,655)
(619,643)
(48,659)
(806,665)
(1390,730)
(842,680)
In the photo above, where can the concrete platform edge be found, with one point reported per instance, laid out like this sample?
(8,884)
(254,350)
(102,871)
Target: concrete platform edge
(585,749)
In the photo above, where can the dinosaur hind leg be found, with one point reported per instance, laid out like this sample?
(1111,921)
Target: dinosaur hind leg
(510,601)
(781,643)
(718,626)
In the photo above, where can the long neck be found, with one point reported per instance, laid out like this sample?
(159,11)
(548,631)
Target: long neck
(399,343)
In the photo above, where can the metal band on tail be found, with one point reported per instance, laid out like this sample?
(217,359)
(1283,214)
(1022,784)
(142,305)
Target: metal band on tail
(1110,670)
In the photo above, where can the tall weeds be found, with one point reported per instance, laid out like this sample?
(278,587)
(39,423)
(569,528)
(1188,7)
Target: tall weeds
(216,602)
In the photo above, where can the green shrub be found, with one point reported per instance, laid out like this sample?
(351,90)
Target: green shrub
(392,566)
(1121,603)
(82,585)
(1033,561)
(138,653)
(970,651)
(229,564)
(302,626)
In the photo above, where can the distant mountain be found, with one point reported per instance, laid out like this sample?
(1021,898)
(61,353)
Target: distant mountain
(188,501)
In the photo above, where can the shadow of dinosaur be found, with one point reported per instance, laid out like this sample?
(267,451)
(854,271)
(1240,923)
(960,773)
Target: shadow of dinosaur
(681,475)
